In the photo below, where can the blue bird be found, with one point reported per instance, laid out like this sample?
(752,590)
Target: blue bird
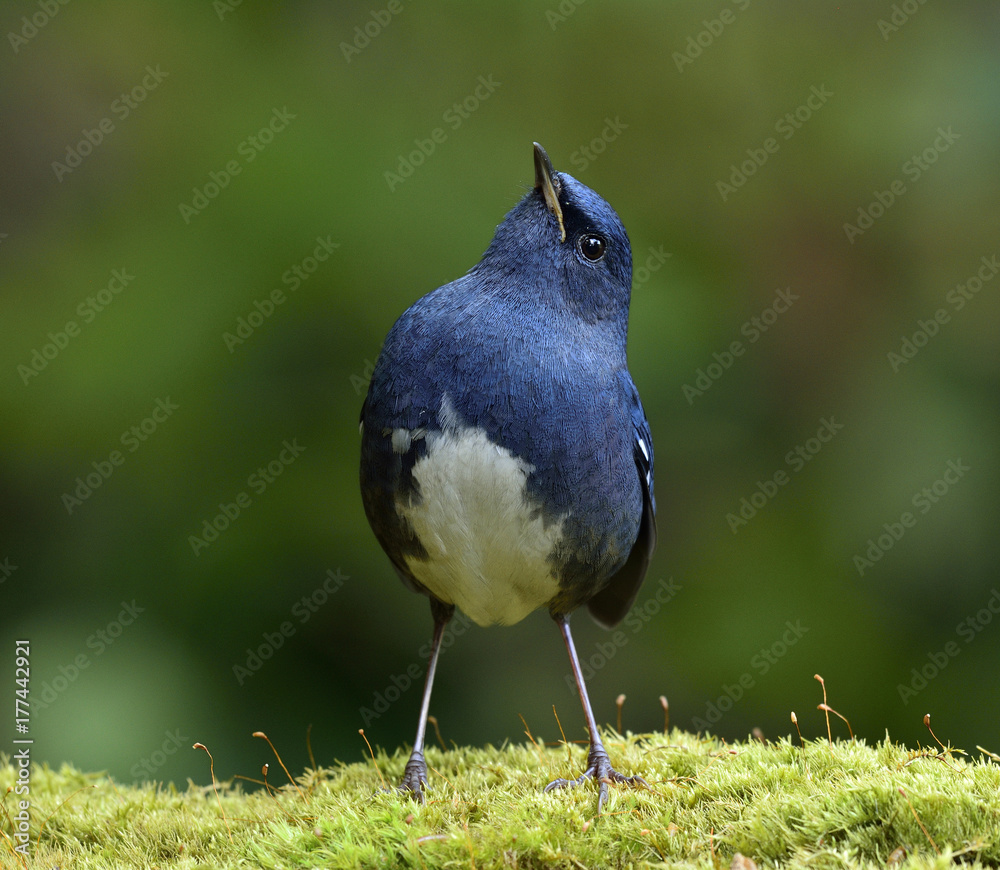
(506,461)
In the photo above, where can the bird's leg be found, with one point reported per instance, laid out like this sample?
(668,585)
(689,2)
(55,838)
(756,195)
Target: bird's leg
(598,764)
(415,774)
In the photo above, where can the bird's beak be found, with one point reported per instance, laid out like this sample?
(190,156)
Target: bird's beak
(548,182)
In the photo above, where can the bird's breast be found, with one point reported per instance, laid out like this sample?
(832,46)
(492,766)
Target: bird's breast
(488,547)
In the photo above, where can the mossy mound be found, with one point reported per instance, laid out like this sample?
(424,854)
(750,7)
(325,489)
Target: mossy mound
(781,804)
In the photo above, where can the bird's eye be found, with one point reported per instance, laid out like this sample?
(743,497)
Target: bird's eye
(591,247)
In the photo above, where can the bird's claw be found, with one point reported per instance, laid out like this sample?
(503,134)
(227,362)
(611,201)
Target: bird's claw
(599,769)
(414,777)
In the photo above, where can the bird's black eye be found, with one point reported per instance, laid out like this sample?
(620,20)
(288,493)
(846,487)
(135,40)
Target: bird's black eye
(591,247)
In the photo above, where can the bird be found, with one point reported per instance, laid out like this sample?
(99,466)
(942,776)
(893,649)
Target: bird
(506,460)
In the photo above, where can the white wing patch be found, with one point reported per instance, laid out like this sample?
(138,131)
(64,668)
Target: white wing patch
(645,452)
(487,547)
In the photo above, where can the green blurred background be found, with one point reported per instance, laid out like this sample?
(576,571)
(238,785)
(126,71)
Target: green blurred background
(675,94)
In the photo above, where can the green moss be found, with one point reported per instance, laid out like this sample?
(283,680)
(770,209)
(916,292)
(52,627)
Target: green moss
(821,806)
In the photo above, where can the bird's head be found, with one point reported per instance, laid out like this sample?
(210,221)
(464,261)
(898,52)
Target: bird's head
(565,243)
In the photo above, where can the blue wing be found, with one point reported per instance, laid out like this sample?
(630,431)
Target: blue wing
(609,606)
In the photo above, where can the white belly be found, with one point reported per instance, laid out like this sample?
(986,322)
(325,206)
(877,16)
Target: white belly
(487,547)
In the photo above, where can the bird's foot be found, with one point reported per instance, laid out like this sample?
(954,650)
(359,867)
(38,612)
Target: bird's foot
(414,776)
(599,769)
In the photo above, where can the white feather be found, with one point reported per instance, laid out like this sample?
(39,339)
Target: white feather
(487,546)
